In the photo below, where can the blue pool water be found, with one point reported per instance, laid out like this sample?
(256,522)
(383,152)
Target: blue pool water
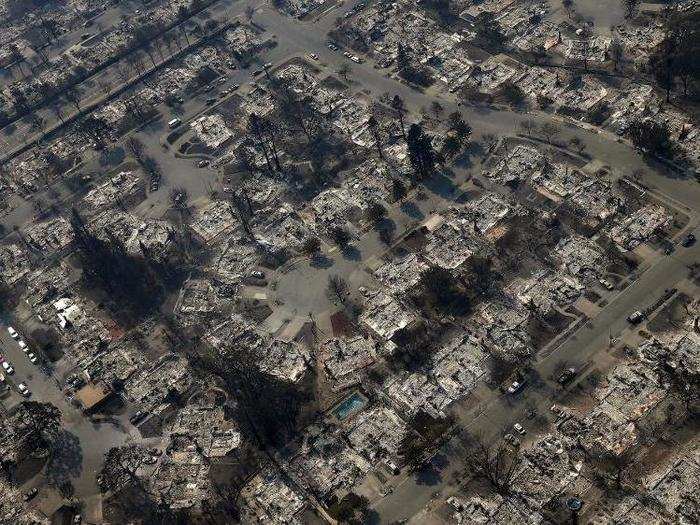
(350,405)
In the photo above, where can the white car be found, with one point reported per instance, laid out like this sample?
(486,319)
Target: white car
(13,333)
(313,56)
(32,358)
(8,367)
(23,346)
(607,284)
(24,390)
(519,429)
(355,59)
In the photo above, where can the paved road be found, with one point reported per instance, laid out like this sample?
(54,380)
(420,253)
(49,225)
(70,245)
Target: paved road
(84,443)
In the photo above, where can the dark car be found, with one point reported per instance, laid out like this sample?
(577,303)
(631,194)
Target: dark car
(688,240)
(137,416)
(567,376)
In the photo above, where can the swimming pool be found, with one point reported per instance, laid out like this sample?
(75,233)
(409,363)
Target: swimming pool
(350,405)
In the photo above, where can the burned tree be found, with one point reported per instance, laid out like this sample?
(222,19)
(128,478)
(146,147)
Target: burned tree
(337,288)
(268,406)
(497,464)
(39,424)
(121,466)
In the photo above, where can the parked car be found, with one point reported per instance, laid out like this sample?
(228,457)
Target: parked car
(635,317)
(257,274)
(13,333)
(137,416)
(23,346)
(567,376)
(556,409)
(519,429)
(313,56)
(607,284)
(510,438)
(31,494)
(516,387)
(203,163)
(24,390)
(33,358)
(8,367)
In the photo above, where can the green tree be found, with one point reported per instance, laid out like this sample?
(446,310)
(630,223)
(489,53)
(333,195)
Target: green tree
(375,212)
(341,236)
(399,108)
(456,123)
(652,137)
(373,126)
(420,152)
(488,30)
(631,8)
(311,246)
(398,190)
(512,93)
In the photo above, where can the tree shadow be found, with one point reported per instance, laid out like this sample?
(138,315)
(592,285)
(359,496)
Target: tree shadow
(9,130)
(410,209)
(66,461)
(385,224)
(428,475)
(440,185)
(321,261)
(440,461)
(112,157)
(371,517)
(155,126)
(28,469)
(351,253)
